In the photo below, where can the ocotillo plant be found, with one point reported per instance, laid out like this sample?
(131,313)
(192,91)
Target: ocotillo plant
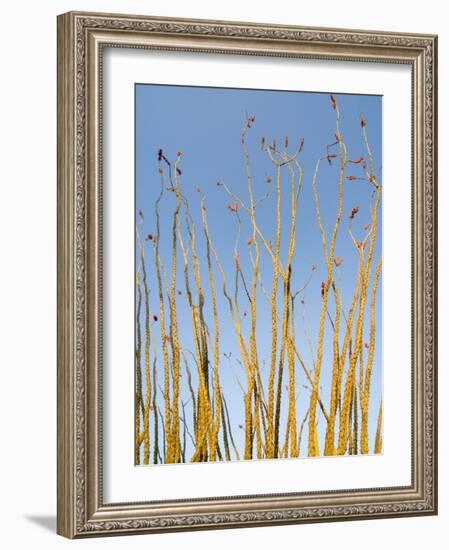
(190,301)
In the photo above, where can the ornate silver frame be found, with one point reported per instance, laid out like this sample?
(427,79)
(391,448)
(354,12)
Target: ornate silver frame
(81,38)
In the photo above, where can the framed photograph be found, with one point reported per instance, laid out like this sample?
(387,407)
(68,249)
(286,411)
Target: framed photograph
(247,274)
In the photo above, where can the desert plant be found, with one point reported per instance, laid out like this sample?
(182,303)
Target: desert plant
(187,417)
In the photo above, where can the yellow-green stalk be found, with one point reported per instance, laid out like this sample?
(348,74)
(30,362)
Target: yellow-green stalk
(378,440)
(167,402)
(313,447)
(365,395)
(329,446)
(216,347)
(138,396)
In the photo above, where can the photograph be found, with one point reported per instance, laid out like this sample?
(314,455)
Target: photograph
(258,274)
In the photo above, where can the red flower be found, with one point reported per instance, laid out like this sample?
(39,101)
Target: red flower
(249,242)
(351,178)
(354,211)
(333,102)
(367,226)
(330,156)
(357,161)
(366,345)
(323,289)
(249,120)
(286,141)
(362,122)
(160,170)
(338,261)
(233,208)
(359,244)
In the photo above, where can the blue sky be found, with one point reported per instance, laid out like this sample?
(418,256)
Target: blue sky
(206,125)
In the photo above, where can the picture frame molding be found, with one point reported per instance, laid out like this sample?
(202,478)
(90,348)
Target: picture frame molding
(81,39)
